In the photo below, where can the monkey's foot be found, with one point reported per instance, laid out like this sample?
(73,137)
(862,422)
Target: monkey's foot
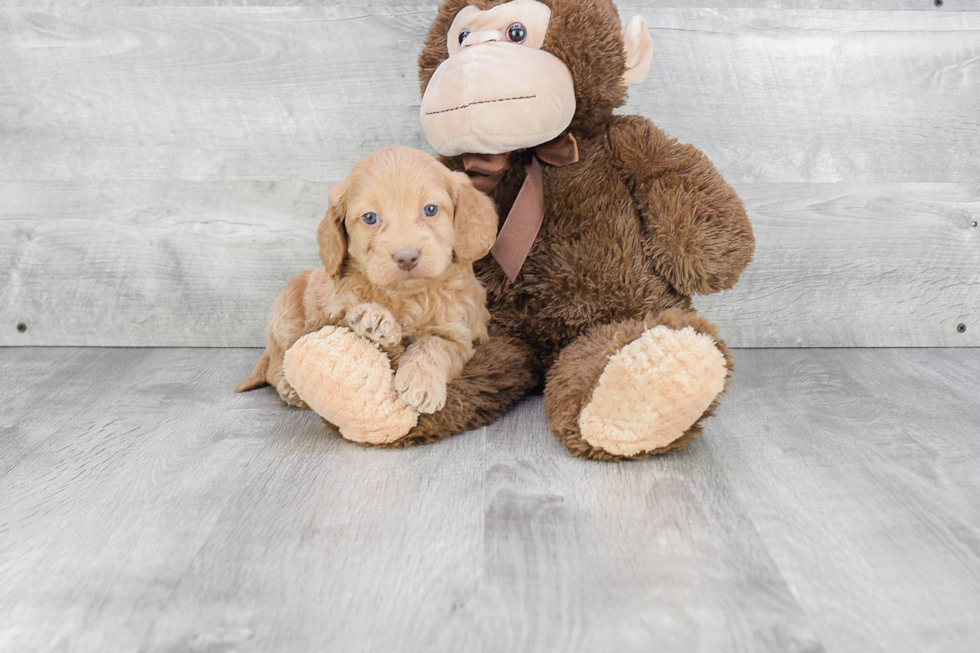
(653,390)
(348,381)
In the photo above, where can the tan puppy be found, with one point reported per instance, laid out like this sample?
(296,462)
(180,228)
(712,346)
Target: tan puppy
(397,246)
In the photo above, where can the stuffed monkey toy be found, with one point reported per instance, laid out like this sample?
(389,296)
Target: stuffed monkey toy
(608,226)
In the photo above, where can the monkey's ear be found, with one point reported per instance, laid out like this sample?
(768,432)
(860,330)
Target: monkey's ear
(474,220)
(331,236)
(639,50)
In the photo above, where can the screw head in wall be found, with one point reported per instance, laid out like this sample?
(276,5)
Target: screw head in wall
(22,327)
(961,328)
(974,224)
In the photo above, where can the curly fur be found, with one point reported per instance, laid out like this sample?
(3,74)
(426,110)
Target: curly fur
(439,316)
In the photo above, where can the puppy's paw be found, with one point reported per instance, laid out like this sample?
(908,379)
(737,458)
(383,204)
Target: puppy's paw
(420,388)
(289,395)
(375,323)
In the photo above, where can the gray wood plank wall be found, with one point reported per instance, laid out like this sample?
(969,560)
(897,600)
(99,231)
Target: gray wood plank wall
(163,168)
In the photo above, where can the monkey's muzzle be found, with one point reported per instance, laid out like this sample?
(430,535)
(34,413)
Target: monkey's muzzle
(497,97)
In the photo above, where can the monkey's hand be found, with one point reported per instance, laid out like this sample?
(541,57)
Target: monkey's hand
(696,232)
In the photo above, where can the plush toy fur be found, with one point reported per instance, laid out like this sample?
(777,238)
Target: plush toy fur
(631,231)
(601,311)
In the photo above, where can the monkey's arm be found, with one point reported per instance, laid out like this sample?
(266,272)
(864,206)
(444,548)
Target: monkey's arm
(696,232)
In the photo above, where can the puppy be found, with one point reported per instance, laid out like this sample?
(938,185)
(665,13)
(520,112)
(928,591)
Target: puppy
(397,246)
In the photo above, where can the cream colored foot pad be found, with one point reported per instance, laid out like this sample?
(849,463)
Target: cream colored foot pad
(653,390)
(348,381)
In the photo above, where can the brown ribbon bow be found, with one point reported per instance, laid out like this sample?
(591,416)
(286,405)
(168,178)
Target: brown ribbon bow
(524,220)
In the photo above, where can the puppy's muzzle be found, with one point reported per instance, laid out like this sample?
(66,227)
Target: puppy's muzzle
(406,258)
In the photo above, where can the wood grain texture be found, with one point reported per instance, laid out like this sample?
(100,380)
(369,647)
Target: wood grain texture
(856,265)
(859,470)
(202,264)
(203,93)
(172,93)
(658,555)
(819,96)
(162,168)
(836,264)
(829,506)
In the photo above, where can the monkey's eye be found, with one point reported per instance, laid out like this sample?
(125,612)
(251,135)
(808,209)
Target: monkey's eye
(463,35)
(430,210)
(516,33)
(370,218)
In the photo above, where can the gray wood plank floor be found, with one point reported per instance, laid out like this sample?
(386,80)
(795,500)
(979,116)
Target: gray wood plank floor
(832,506)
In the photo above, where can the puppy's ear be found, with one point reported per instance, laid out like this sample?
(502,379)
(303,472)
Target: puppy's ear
(331,236)
(475,220)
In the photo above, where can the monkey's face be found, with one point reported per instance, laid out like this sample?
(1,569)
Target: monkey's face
(498,91)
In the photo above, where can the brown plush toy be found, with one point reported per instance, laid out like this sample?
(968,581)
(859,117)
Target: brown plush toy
(608,228)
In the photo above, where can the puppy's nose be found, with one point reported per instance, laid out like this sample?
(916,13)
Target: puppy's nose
(406,257)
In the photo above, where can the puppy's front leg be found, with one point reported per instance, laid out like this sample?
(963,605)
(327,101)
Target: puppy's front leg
(427,367)
(375,323)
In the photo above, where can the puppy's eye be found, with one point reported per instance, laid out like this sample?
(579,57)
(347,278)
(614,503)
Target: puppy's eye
(463,35)
(430,210)
(370,218)
(516,33)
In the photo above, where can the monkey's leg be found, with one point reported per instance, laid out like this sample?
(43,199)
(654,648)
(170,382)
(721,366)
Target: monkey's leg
(636,388)
(347,381)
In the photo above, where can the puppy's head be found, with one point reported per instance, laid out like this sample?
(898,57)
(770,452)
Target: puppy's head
(401,217)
